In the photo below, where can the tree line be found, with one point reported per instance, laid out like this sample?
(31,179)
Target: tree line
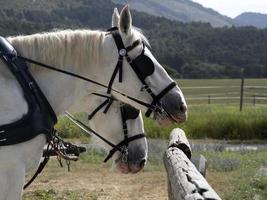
(187,50)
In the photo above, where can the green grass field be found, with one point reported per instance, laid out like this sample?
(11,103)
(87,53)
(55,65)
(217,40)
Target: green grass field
(231,174)
(217,122)
(223,91)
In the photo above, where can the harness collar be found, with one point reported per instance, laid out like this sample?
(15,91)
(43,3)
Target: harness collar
(40,118)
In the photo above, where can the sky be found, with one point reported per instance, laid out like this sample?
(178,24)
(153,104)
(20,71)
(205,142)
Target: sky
(233,8)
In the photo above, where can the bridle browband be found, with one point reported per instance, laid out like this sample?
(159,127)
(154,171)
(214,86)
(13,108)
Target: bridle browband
(155,105)
(122,147)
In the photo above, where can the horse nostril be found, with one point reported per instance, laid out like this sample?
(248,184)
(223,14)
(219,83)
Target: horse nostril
(183,108)
(142,163)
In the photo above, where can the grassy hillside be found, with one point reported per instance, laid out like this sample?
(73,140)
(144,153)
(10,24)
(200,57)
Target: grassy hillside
(184,11)
(193,50)
(252,19)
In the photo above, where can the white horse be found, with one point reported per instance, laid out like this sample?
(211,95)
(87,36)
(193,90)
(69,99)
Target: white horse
(92,54)
(137,149)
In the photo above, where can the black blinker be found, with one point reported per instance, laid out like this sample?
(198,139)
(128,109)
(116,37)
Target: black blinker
(144,66)
(129,112)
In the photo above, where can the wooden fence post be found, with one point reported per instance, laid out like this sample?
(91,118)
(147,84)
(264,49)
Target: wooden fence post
(184,180)
(242,90)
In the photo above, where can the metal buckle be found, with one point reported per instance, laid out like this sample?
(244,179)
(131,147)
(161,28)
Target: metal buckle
(122,52)
(31,85)
(144,87)
(124,153)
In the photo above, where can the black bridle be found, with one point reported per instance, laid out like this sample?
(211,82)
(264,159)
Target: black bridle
(155,106)
(127,112)
(135,64)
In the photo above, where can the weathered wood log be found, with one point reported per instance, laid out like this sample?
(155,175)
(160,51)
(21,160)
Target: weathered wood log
(200,163)
(184,180)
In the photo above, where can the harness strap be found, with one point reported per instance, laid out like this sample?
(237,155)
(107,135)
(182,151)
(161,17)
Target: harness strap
(106,103)
(119,147)
(159,96)
(122,143)
(40,117)
(39,170)
(79,77)
(117,69)
(124,124)
(165,91)
(98,108)
(89,131)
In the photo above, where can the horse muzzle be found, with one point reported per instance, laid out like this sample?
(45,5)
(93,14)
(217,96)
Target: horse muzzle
(174,108)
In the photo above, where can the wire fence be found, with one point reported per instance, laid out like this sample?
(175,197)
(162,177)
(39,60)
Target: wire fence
(254,95)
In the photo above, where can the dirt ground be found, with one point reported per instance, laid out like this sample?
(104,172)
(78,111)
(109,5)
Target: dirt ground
(100,181)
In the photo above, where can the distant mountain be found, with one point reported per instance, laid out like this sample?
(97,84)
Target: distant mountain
(180,10)
(252,19)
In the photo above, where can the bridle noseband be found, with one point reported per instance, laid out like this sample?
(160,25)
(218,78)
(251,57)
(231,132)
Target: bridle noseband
(135,64)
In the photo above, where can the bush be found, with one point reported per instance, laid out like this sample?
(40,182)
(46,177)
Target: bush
(68,129)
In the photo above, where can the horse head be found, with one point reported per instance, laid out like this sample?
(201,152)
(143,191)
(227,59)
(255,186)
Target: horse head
(141,76)
(118,122)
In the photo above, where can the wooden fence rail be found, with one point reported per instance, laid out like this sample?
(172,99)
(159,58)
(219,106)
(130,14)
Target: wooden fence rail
(184,180)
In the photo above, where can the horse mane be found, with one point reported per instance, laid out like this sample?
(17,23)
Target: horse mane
(78,48)
(61,47)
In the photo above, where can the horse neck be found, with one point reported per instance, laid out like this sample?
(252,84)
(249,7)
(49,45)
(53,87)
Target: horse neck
(76,51)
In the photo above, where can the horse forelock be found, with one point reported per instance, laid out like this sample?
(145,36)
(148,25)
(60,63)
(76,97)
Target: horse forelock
(63,48)
(140,34)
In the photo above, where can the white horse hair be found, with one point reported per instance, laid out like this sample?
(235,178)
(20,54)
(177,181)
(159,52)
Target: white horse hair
(88,53)
(24,157)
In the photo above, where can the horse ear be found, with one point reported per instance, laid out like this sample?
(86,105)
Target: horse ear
(115,18)
(125,20)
